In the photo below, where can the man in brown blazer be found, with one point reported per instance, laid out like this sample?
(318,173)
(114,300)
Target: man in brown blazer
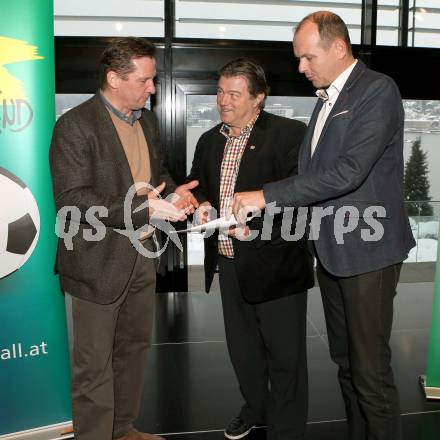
(99,150)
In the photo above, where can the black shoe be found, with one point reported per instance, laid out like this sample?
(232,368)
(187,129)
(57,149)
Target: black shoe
(238,428)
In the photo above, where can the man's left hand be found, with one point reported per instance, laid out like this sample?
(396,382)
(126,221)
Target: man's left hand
(247,202)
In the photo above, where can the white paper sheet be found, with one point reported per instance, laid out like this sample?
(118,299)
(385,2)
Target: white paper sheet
(218,223)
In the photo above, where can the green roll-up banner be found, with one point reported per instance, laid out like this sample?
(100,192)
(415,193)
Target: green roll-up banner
(433,371)
(34,357)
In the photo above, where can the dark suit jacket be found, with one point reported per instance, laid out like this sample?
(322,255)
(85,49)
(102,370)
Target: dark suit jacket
(89,168)
(358,162)
(266,269)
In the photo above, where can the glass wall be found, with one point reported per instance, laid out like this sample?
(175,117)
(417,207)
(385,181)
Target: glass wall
(422,159)
(201,115)
(143,18)
(66,101)
(424,23)
(425,229)
(257,20)
(388,12)
(422,125)
(274,20)
(243,20)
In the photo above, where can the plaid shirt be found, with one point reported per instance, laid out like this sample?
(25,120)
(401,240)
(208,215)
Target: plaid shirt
(232,155)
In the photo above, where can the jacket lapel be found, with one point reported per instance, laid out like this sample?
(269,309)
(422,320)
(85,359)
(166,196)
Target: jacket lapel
(336,108)
(218,148)
(256,141)
(340,102)
(305,151)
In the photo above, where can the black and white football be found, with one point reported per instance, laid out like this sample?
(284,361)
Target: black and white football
(19,223)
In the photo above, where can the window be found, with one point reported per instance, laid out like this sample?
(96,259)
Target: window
(388,12)
(422,125)
(144,18)
(65,101)
(424,23)
(257,20)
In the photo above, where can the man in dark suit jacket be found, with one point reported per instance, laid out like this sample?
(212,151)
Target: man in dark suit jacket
(263,281)
(99,150)
(351,173)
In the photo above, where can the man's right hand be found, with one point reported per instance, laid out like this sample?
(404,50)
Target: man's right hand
(162,209)
(203,213)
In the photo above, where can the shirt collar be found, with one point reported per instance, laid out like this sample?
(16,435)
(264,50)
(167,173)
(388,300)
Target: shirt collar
(225,128)
(131,119)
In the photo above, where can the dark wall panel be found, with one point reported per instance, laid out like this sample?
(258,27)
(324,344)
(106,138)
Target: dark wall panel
(77,59)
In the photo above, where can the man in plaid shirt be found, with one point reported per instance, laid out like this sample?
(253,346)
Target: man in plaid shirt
(263,278)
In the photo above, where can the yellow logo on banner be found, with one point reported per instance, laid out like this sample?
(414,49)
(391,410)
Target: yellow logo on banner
(14,51)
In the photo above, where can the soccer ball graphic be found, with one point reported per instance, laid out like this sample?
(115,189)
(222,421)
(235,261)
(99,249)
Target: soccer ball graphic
(19,223)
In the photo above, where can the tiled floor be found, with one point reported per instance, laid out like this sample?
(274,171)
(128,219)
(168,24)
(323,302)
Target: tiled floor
(190,390)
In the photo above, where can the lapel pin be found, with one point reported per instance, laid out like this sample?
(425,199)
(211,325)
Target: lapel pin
(252,147)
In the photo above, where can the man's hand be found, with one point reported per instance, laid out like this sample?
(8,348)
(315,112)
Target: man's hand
(184,198)
(161,208)
(203,213)
(241,233)
(246,203)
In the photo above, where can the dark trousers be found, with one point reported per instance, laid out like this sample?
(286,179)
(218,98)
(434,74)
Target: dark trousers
(267,346)
(110,344)
(359,315)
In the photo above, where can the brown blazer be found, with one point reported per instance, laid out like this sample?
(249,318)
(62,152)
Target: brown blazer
(89,168)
